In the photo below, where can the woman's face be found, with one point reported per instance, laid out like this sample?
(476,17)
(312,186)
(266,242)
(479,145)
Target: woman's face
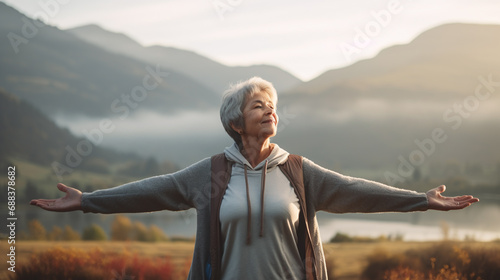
(259,114)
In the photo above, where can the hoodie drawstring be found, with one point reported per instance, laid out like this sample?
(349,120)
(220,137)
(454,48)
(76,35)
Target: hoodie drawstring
(249,214)
(262,189)
(249,207)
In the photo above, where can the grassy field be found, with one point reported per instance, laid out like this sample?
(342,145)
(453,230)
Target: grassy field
(348,259)
(179,253)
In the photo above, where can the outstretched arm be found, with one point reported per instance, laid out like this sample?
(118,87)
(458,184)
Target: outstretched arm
(337,193)
(438,202)
(182,190)
(72,201)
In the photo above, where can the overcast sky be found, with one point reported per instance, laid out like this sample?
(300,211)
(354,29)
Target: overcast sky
(305,38)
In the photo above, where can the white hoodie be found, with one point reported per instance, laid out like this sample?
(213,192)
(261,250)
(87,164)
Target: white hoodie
(259,229)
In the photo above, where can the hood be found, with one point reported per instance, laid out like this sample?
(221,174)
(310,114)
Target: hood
(278,156)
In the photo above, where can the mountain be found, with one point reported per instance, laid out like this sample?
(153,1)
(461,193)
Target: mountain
(441,67)
(30,135)
(446,59)
(374,111)
(27,133)
(214,75)
(64,75)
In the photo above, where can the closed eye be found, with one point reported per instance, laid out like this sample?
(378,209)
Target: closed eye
(259,104)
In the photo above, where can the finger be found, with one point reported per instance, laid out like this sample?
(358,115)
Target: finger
(43,204)
(441,189)
(466,198)
(462,205)
(466,203)
(472,200)
(43,201)
(62,187)
(49,206)
(463,198)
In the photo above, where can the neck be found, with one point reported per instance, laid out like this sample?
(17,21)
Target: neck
(256,151)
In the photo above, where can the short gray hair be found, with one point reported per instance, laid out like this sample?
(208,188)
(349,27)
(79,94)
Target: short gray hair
(233,102)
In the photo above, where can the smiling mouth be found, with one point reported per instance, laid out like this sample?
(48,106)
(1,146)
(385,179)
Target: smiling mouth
(269,121)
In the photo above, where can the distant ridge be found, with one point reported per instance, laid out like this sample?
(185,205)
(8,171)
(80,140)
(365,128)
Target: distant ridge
(209,72)
(447,58)
(64,75)
(29,135)
(371,112)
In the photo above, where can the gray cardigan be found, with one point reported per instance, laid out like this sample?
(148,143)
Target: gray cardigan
(188,188)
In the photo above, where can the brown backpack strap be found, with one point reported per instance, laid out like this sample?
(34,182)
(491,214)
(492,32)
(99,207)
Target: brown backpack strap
(221,173)
(292,169)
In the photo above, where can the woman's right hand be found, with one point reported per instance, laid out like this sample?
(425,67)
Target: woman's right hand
(72,201)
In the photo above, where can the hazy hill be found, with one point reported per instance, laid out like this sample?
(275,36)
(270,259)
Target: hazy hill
(446,60)
(372,112)
(62,74)
(420,80)
(29,135)
(203,69)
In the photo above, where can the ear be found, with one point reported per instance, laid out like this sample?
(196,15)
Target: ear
(236,128)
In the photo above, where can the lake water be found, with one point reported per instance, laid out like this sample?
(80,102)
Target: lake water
(480,221)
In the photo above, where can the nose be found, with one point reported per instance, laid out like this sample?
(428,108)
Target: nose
(270,110)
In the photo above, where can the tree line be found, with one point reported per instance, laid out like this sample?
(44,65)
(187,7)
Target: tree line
(122,229)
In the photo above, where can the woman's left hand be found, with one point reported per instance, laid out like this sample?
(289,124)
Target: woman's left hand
(444,203)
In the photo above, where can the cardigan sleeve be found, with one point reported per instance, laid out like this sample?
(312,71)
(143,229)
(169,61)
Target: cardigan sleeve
(337,193)
(177,191)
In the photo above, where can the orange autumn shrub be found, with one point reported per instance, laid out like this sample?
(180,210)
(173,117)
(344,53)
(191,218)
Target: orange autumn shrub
(77,264)
(445,273)
(440,262)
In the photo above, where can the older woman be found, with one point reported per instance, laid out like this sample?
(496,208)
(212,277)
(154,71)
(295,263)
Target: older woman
(257,210)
